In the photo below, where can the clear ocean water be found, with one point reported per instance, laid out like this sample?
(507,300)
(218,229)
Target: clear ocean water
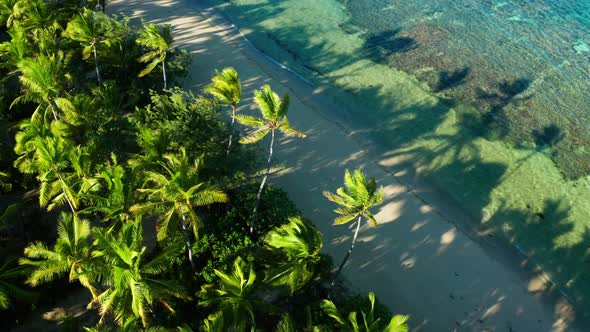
(488,100)
(524,64)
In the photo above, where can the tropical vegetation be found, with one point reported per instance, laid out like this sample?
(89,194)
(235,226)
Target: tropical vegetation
(117,189)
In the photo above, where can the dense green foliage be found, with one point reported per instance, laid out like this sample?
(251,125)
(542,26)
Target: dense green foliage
(134,189)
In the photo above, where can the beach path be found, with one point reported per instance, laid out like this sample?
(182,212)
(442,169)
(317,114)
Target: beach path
(417,261)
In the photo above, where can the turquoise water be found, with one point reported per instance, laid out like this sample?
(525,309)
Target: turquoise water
(524,64)
(486,100)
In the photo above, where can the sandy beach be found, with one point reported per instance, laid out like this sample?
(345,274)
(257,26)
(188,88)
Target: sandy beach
(423,259)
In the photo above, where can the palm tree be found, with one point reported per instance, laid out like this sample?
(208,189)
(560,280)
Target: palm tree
(86,29)
(9,276)
(355,199)
(7,12)
(16,49)
(274,117)
(298,244)
(35,15)
(227,89)
(42,80)
(111,193)
(158,41)
(134,283)
(71,255)
(177,191)
(51,160)
(233,295)
(397,323)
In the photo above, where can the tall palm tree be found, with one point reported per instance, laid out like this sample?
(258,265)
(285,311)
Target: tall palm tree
(175,192)
(43,80)
(71,255)
(298,245)
(274,118)
(158,41)
(355,199)
(370,323)
(227,89)
(86,29)
(134,282)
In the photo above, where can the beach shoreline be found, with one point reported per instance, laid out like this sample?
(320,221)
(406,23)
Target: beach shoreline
(416,206)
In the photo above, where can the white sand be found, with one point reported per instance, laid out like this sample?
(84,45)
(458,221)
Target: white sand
(417,261)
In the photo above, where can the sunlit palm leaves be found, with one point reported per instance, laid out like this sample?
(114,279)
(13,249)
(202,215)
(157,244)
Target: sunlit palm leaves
(134,282)
(86,29)
(157,40)
(8,12)
(298,244)
(13,51)
(233,294)
(274,117)
(43,80)
(71,254)
(174,192)
(367,322)
(356,198)
(227,89)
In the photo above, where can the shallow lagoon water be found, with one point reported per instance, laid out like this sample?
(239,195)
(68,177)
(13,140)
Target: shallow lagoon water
(488,100)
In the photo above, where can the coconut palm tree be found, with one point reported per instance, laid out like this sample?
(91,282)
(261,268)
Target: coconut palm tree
(175,192)
(233,295)
(43,80)
(297,245)
(60,167)
(355,199)
(134,282)
(111,193)
(369,323)
(71,255)
(227,89)
(86,29)
(274,118)
(158,41)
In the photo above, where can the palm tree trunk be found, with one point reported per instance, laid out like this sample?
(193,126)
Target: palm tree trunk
(233,120)
(187,238)
(63,184)
(356,232)
(164,73)
(259,195)
(96,65)
(52,105)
